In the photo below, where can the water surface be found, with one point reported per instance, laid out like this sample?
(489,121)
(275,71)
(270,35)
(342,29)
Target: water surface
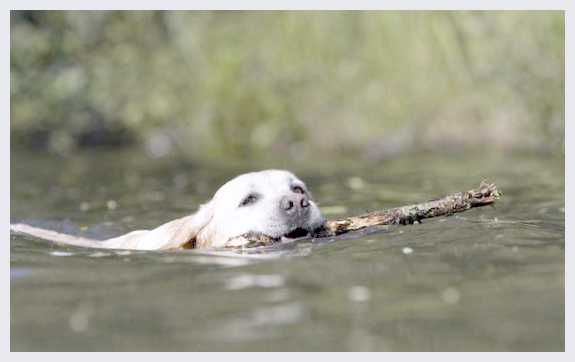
(490,279)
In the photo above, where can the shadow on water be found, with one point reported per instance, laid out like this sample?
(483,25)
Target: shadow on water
(488,279)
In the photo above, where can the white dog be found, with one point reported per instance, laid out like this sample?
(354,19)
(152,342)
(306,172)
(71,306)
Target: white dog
(274,203)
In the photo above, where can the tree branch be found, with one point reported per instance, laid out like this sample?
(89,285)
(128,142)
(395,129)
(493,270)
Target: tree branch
(486,194)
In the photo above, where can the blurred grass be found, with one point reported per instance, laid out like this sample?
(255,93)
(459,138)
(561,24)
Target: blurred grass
(238,84)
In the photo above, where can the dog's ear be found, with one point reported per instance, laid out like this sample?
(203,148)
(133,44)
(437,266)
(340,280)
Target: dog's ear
(176,234)
(185,232)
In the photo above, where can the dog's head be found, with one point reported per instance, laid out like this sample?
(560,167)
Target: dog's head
(274,203)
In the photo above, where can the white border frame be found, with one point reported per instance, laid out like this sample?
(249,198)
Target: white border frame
(292,5)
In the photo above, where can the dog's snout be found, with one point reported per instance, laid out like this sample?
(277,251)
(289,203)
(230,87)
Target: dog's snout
(286,203)
(294,202)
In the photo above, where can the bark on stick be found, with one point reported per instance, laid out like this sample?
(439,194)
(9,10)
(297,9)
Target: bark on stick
(485,194)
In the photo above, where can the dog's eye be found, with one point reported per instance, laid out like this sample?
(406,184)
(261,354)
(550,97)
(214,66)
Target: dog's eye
(298,189)
(248,200)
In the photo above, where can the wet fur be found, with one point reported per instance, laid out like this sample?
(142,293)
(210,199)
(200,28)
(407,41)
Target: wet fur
(216,222)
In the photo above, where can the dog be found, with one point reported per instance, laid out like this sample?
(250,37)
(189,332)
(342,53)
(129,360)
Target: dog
(273,203)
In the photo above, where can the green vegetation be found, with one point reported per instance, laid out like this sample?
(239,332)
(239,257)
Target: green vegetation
(235,84)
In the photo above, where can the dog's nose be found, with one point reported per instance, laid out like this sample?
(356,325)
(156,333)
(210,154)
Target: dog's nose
(292,202)
(286,203)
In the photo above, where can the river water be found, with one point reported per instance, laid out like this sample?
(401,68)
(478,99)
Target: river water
(489,279)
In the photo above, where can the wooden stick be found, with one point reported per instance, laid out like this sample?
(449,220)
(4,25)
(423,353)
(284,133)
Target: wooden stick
(486,194)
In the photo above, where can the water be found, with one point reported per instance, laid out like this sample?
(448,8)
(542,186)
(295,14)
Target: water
(490,279)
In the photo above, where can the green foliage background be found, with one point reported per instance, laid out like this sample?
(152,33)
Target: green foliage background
(236,84)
